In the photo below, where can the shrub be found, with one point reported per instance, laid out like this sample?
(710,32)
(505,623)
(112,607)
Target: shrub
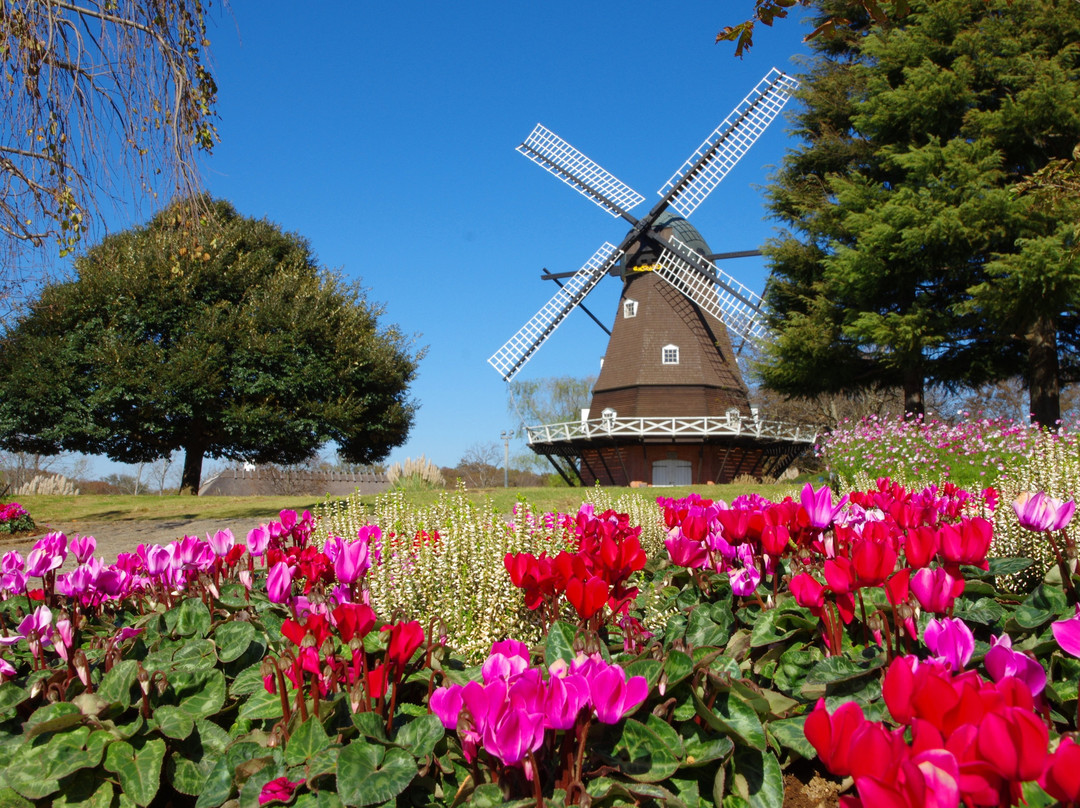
(415,475)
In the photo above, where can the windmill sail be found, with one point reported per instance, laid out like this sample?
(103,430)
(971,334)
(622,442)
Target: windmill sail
(721,150)
(720,295)
(512,356)
(555,155)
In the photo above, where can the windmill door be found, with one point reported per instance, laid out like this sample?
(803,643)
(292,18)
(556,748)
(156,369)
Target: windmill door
(672,472)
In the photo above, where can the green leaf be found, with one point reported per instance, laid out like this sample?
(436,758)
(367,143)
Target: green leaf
(116,685)
(233,638)
(139,770)
(560,643)
(261,704)
(789,732)
(11,695)
(643,754)
(984,611)
(833,670)
(194,655)
(649,668)
(420,735)
(10,798)
(733,717)
(677,666)
(219,784)
(1007,566)
(86,790)
(702,630)
(369,774)
(370,725)
(1044,604)
(68,752)
(306,741)
(702,747)
(199,693)
(192,618)
(52,718)
(173,722)
(756,778)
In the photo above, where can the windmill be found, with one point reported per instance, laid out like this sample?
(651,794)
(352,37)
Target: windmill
(670,383)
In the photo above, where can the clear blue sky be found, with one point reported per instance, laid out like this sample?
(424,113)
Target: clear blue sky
(384,133)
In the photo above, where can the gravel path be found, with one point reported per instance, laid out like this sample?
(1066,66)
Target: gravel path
(125,536)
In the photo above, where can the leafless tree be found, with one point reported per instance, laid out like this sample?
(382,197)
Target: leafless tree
(99,98)
(480,466)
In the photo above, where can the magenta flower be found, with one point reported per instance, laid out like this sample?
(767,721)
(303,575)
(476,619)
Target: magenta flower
(6,668)
(279,582)
(1067,633)
(935,589)
(512,733)
(221,542)
(257,540)
(818,505)
(744,580)
(352,561)
(157,559)
(280,789)
(83,548)
(1040,512)
(37,626)
(564,699)
(613,696)
(445,704)
(686,553)
(1001,661)
(42,560)
(950,640)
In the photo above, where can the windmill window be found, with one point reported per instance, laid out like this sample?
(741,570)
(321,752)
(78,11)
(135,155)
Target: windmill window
(629,308)
(670,355)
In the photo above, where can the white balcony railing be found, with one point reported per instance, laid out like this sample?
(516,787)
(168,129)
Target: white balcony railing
(672,429)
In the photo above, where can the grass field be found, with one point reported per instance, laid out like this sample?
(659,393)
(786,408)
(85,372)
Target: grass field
(147,507)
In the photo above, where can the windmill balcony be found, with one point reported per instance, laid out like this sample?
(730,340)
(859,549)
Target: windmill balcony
(669,450)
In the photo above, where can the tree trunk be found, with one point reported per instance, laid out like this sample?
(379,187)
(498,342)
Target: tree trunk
(192,477)
(914,403)
(1043,389)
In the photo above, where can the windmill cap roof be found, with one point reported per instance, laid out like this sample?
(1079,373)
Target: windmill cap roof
(684,232)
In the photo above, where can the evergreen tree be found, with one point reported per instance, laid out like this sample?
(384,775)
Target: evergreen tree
(904,259)
(224,340)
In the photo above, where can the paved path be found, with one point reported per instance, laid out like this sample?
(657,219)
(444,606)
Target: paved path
(125,536)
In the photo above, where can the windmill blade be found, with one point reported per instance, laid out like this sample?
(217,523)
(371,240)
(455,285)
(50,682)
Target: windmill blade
(555,155)
(512,356)
(703,170)
(712,290)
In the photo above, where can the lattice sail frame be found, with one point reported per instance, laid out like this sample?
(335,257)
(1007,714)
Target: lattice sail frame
(519,349)
(728,301)
(559,158)
(722,149)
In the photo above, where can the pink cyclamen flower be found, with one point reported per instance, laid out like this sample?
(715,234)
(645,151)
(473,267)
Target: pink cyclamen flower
(818,505)
(221,542)
(1040,512)
(614,696)
(935,589)
(280,789)
(257,540)
(6,668)
(950,639)
(1001,661)
(83,548)
(279,582)
(352,561)
(512,732)
(1067,633)
(37,626)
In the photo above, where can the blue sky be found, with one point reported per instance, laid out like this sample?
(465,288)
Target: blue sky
(384,133)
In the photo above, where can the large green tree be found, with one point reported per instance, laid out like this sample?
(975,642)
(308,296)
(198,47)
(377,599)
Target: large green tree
(904,261)
(221,338)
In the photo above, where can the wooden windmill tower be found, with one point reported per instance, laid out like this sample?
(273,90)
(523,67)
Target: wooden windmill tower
(670,405)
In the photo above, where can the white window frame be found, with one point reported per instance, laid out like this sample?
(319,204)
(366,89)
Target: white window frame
(629,308)
(669,355)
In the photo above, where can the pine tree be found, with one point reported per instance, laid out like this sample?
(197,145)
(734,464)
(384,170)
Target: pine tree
(909,256)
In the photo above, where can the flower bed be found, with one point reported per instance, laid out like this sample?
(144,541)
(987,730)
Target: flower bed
(869,637)
(14,519)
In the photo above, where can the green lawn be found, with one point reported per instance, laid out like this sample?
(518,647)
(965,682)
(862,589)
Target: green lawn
(109,508)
